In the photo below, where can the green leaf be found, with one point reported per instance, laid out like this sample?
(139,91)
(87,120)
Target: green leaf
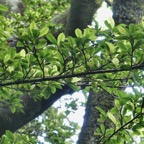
(112,22)
(43,31)
(41,43)
(125,66)
(102,128)
(109,131)
(71,40)
(111,117)
(115,61)
(61,38)
(3,8)
(123,30)
(22,53)
(10,69)
(111,47)
(109,23)
(53,89)
(13,109)
(35,33)
(9,135)
(51,38)
(33,25)
(73,86)
(117,103)
(20,44)
(132,28)
(101,110)
(89,34)
(78,33)
(7,57)
(119,139)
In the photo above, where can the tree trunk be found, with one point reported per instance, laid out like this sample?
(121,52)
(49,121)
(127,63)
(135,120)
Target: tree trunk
(101,99)
(81,14)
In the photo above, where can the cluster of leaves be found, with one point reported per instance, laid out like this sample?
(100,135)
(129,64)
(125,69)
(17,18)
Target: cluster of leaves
(124,122)
(14,70)
(125,119)
(16,138)
(51,126)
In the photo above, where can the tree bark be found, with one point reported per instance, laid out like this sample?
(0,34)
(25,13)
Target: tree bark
(101,99)
(81,14)
(128,12)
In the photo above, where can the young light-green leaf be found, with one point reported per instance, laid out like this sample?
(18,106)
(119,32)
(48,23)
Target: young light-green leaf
(61,38)
(111,47)
(22,53)
(43,31)
(115,61)
(33,25)
(78,33)
(111,117)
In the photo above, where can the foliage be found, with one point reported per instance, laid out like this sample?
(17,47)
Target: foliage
(109,59)
(51,126)
(10,138)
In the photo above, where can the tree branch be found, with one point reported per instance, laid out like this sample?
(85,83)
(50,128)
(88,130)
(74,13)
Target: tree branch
(83,74)
(32,109)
